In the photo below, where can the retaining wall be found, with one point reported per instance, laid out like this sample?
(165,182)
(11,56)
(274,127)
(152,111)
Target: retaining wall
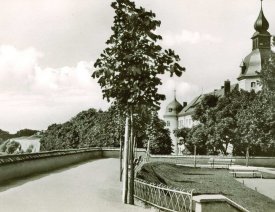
(215,203)
(23,165)
(203,159)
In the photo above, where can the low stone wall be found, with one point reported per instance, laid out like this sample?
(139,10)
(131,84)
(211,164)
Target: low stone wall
(203,160)
(179,159)
(215,203)
(18,166)
(257,161)
(23,165)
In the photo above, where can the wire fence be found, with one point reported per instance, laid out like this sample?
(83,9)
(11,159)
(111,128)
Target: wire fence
(164,197)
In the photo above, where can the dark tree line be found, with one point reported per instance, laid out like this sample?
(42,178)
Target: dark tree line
(96,128)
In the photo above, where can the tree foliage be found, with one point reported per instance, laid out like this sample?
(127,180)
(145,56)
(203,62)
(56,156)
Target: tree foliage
(89,128)
(158,136)
(128,68)
(203,110)
(10,146)
(94,128)
(243,119)
(256,128)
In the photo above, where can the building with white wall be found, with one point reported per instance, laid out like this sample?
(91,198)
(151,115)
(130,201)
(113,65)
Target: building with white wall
(248,80)
(171,120)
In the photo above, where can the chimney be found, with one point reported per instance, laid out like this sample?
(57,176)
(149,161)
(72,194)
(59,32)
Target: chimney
(184,104)
(226,87)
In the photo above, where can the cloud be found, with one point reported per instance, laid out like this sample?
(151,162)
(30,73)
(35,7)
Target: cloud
(17,68)
(186,36)
(32,96)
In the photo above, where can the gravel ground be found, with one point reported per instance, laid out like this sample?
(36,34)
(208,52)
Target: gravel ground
(93,186)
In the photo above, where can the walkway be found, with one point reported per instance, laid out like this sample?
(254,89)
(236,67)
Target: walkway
(93,186)
(263,186)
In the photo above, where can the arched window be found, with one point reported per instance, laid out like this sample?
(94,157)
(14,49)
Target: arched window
(170,110)
(253,84)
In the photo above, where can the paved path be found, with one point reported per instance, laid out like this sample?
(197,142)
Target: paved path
(93,186)
(263,186)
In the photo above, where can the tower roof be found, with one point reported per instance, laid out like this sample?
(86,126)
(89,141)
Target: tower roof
(261,25)
(252,65)
(173,108)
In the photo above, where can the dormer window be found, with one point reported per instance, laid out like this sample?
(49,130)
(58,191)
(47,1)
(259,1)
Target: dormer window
(243,67)
(170,110)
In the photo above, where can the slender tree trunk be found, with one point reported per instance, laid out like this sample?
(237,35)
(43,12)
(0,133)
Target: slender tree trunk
(120,160)
(195,153)
(131,158)
(148,149)
(135,147)
(125,173)
(247,156)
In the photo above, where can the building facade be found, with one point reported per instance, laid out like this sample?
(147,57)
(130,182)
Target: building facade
(171,120)
(248,80)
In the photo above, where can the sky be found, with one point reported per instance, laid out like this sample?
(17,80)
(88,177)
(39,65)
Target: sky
(47,51)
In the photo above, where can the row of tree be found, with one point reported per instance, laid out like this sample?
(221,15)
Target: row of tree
(93,128)
(243,119)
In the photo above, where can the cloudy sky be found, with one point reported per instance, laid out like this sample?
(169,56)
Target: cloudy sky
(47,50)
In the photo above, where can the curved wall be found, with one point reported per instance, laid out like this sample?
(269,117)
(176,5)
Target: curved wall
(18,166)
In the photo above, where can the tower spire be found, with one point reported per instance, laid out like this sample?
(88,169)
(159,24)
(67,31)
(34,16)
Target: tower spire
(261,25)
(261,38)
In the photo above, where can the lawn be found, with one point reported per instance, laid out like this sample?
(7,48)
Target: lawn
(207,181)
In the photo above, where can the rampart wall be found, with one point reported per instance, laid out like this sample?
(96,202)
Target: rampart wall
(23,165)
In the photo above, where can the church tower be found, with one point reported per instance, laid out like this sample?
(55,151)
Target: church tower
(252,65)
(171,120)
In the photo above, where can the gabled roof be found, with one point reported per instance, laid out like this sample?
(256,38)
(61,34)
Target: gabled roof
(189,109)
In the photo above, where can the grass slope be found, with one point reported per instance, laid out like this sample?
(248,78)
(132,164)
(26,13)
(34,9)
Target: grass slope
(207,181)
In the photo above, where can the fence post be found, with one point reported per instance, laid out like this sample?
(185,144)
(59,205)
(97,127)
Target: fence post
(195,160)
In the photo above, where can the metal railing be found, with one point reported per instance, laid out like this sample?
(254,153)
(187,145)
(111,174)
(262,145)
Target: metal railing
(163,197)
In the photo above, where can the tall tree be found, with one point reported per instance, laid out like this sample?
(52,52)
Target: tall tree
(203,110)
(158,136)
(128,69)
